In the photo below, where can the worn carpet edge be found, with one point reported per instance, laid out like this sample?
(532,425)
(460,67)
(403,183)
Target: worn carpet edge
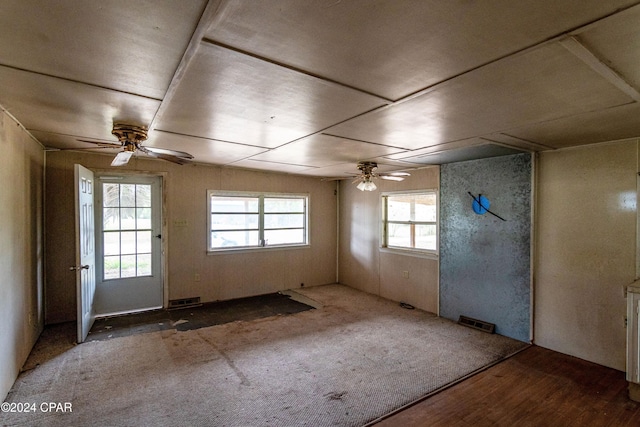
(445,387)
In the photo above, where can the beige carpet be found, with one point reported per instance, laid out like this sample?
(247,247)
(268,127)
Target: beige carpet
(352,360)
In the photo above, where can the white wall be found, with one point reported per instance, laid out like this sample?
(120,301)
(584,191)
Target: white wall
(585,250)
(21,254)
(364,265)
(222,276)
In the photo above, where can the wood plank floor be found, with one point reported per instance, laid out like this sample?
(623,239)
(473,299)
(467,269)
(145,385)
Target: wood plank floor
(537,387)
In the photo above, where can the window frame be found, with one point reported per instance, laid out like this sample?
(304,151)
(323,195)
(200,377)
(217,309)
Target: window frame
(384,238)
(262,244)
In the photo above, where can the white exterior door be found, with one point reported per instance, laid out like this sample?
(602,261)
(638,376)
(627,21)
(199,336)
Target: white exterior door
(128,244)
(85,250)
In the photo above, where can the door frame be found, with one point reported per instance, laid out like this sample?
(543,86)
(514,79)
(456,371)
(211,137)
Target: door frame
(164,244)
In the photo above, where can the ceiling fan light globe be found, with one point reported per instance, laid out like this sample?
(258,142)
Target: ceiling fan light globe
(370,186)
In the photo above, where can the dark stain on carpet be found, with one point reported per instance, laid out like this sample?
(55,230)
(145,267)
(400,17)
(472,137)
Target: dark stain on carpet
(210,314)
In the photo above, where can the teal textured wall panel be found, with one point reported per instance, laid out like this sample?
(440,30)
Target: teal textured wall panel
(485,261)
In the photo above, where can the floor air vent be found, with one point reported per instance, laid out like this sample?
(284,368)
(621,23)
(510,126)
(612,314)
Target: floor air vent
(477,324)
(184,302)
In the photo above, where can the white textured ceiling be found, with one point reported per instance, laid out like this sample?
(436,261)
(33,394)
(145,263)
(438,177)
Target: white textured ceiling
(313,87)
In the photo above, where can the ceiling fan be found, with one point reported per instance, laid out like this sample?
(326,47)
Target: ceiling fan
(131,138)
(367,175)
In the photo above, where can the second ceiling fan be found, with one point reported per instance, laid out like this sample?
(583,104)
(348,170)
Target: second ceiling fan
(367,175)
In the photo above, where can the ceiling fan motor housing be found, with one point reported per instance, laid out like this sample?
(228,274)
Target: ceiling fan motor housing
(129,135)
(367,167)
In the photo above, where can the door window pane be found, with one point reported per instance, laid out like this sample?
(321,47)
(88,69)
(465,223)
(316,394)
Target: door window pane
(128,218)
(128,195)
(111,219)
(143,242)
(143,196)
(144,218)
(112,267)
(128,266)
(144,265)
(111,243)
(111,195)
(128,242)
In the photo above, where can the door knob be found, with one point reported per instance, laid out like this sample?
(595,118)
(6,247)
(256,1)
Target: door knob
(82,267)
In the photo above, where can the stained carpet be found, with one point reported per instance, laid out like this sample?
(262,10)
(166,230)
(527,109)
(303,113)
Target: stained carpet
(185,319)
(352,360)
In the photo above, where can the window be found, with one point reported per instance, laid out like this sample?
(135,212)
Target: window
(410,221)
(249,220)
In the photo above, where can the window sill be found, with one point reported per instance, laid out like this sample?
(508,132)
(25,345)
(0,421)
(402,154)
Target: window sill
(246,250)
(408,252)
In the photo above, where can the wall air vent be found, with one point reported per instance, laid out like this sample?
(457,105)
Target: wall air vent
(477,324)
(184,303)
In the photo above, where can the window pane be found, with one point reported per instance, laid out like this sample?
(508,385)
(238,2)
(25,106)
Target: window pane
(143,242)
(399,235)
(111,267)
(128,266)
(144,265)
(425,207)
(230,239)
(283,205)
(426,237)
(399,208)
(283,221)
(128,218)
(234,221)
(128,195)
(110,195)
(234,204)
(112,243)
(111,219)
(282,237)
(144,218)
(128,242)
(143,196)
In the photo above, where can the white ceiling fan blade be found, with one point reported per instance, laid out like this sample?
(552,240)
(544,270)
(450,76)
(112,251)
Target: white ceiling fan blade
(392,177)
(174,153)
(122,158)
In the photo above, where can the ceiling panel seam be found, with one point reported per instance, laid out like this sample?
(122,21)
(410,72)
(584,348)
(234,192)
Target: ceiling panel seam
(209,12)
(207,41)
(23,70)
(581,52)
(211,139)
(362,140)
(320,131)
(535,145)
(603,20)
